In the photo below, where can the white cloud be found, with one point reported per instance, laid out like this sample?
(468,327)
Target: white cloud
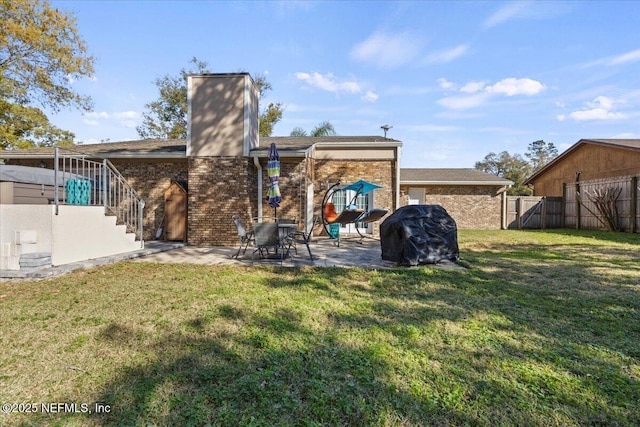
(387,50)
(445,84)
(464,102)
(123,118)
(370,96)
(632,56)
(598,109)
(96,115)
(473,87)
(596,114)
(446,55)
(475,94)
(329,83)
(625,58)
(513,86)
(526,10)
(505,13)
(126,115)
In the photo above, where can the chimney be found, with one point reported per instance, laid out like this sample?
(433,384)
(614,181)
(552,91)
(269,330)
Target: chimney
(222,119)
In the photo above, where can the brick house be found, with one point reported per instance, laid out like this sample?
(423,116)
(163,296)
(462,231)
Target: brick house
(474,199)
(223,164)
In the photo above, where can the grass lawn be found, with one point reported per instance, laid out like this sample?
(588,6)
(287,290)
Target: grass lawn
(543,328)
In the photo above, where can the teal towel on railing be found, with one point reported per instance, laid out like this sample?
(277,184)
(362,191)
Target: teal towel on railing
(78,191)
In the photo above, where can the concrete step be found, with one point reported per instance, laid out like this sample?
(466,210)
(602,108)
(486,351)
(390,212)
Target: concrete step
(35,260)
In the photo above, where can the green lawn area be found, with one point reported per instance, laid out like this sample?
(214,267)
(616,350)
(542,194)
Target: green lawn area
(543,328)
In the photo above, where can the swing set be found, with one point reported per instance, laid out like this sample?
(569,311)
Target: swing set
(331,220)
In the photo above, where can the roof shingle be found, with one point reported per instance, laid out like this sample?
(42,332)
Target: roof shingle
(451,176)
(177,147)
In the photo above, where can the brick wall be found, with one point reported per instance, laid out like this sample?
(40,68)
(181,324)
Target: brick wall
(219,187)
(381,172)
(292,186)
(472,207)
(150,179)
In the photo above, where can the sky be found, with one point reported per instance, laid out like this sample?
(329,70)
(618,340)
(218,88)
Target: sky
(456,80)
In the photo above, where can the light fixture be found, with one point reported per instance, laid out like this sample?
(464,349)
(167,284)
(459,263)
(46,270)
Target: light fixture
(385,128)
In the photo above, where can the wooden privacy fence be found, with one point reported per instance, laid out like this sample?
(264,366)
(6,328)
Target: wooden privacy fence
(581,212)
(575,209)
(533,212)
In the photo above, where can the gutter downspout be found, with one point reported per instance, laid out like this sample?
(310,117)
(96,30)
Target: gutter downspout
(256,163)
(397,183)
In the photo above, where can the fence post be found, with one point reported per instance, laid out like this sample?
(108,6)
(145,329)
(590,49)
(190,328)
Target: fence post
(543,213)
(578,213)
(563,206)
(505,213)
(519,212)
(633,214)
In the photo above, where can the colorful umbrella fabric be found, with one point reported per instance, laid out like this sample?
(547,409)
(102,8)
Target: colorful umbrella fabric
(273,172)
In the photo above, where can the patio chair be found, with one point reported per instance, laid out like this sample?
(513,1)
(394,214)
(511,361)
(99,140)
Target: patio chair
(300,237)
(267,236)
(246,237)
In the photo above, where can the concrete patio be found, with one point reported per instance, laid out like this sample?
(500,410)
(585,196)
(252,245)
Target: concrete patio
(350,253)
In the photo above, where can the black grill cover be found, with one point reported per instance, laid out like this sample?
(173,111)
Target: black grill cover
(419,234)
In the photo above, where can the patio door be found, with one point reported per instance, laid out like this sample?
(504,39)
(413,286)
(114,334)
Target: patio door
(342,198)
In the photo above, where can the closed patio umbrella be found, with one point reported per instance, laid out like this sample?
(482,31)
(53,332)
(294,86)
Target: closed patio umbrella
(273,172)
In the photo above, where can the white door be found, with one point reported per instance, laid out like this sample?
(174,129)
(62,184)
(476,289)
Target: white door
(416,196)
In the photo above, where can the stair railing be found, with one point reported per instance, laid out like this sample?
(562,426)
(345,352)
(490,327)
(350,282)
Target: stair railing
(92,183)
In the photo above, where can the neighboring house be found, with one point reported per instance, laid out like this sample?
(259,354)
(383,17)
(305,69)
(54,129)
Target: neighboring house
(223,162)
(474,199)
(586,160)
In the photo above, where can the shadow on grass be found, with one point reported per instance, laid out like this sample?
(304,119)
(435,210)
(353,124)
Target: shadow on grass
(607,236)
(509,342)
(205,381)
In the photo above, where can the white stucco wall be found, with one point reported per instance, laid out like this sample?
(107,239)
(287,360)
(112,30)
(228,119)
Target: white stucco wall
(84,232)
(16,220)
(77,233)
